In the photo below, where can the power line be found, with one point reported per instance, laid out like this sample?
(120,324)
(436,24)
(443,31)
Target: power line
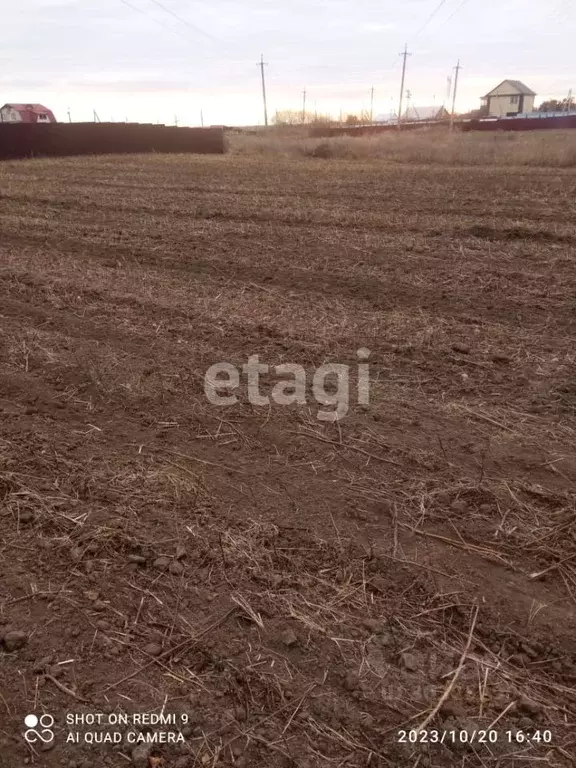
(462,4)
(432,15)
(429,19)
(154,19)
(183,21)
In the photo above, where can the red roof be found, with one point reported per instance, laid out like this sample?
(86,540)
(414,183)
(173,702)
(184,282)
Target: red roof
(30,112)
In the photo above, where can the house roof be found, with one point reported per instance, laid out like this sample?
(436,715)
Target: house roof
(516,87)
(424,113)
(29,113)
(28,108)
(414,113)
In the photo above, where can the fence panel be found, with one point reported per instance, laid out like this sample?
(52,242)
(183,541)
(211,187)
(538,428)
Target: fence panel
(521,124)
(536,123)
(20,140)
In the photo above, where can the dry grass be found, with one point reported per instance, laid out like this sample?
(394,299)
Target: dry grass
(539,149)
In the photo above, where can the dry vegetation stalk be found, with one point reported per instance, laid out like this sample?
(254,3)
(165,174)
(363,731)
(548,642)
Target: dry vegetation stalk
(450,687)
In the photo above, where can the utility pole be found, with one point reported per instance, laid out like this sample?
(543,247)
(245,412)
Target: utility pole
(457,69)
(69,116)
(569,101)
(304,105)
(372,104)
(405,55)
(448,91)
(96,118)
(263,64)
(202,118)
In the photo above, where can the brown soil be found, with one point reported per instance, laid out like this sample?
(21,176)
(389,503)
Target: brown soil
(298,591)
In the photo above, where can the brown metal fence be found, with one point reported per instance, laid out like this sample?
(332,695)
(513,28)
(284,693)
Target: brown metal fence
(371,130)
(556,122)
(21,140)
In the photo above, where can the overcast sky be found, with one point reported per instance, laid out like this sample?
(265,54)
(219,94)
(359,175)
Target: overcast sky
(133,59)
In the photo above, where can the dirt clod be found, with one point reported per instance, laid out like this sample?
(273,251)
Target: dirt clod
(528,706)
(384,507)
(76,554)
(351,682)
(467,730)
(374,625)
(240,714)
(153,649)
(140,755)
(14,640)
(410,662)
(289,638)
(137,559)
(449,710)
(41,665)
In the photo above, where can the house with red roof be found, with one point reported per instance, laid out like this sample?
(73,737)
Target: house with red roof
(26,113)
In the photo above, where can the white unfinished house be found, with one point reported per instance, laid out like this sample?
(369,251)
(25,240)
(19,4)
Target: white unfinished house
(509,98)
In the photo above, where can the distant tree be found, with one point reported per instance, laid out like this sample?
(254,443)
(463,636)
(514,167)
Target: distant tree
(352,120)
(288,117)
(555,105)
(475,114)
(552,105)
(365,117)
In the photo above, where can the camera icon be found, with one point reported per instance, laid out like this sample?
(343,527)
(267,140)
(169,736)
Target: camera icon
(39,729)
